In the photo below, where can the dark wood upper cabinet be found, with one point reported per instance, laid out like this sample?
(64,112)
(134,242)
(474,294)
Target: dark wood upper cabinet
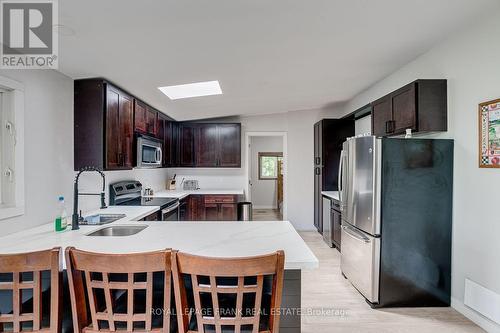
(167,133)
(140,116)
(420,106)
(106,117)
(209,145)
(229,145)
(382,116)
(151,121)
(206,145)
(404,109)
(119,129)
(145,118)
(103,126)
(186,145)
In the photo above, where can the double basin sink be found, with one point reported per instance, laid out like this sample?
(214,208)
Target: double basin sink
(116,230)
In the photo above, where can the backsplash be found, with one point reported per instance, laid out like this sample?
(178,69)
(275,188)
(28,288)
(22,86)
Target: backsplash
(91,182)
(211,178)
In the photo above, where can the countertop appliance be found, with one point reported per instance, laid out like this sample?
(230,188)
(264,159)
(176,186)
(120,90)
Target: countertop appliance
(329,134)
(128,193)
(149,152)
(396,202)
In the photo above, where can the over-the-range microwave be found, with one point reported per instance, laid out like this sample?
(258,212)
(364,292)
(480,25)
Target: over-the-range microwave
(149,152)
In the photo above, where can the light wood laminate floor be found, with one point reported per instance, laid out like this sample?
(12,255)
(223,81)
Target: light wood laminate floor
(326,288)
(266,215)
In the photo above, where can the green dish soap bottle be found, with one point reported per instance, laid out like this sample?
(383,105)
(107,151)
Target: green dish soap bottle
(61,222)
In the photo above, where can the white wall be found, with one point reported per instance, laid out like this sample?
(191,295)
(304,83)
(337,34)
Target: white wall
(264,191)
(48,145)
(470,61)
(299,128)
(363,125)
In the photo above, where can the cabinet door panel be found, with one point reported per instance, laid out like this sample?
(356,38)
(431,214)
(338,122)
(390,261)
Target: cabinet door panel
(151,121)
(206,145)
(211,212)
(186,146)
(228,212)
(140,116)
(404,109)
(113,157)
(382,117)
(229,145)
(126,124)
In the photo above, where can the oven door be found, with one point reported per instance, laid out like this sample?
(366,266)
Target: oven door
(149,153)
(171,213)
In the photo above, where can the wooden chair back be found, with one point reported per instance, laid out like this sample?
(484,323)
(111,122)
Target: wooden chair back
(97,270)
(19,266)
(238,269)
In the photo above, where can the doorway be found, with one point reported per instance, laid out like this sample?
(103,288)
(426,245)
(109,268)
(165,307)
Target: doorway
(266,175)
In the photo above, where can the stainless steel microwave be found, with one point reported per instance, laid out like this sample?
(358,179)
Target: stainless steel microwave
(149,153)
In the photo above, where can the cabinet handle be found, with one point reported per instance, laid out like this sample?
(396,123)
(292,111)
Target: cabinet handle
(390,125)
(317,171)
(317,160)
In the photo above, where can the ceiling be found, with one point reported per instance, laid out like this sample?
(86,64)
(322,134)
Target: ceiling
(269,56)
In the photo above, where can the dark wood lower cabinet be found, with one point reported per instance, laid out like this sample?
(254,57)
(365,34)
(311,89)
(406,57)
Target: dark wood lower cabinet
(209,208)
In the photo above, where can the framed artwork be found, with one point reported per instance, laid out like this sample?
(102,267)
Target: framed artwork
(489,134)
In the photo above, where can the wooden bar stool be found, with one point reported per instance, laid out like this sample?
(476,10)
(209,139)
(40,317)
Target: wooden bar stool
(23,272)
(120,291)
(228,293)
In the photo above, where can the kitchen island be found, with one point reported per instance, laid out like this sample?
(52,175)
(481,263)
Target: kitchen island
(218,239)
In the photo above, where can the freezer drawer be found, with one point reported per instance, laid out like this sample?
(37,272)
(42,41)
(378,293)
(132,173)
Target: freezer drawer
(360,261)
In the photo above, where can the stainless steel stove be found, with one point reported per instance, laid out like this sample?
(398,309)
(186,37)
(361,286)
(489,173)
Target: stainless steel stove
(129,193)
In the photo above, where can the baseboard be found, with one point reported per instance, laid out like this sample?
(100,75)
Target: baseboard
(264,207)
(480,320)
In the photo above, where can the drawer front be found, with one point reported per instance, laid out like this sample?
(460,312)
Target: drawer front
(360,261)
(220,199)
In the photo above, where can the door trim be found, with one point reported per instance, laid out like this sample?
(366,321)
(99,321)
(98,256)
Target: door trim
(248,136)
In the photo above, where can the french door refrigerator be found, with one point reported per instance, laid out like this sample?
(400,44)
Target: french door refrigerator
(396,203)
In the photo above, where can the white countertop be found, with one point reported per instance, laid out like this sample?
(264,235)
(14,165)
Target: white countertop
(331,194)
(181,194)
(219,239)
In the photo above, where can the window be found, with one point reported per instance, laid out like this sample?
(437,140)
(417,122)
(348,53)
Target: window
(268,165)
(11,148)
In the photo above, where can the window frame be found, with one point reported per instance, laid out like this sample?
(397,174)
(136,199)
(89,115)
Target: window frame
(12,110)
(268,154)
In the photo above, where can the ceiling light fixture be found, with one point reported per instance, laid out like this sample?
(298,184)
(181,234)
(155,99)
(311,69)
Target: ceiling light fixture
(207,88)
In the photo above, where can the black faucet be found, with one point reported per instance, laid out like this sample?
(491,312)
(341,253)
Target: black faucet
(75,223)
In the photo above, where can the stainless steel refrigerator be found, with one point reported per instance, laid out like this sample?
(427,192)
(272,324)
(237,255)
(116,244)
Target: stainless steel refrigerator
(396,203)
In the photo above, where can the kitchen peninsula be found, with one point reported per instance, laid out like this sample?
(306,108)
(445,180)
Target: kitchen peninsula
(218,239)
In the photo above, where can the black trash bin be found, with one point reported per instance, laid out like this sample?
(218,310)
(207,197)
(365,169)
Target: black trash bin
(245,211)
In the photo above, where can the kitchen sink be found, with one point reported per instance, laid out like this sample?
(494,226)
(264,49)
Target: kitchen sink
(119,230)
(101,219)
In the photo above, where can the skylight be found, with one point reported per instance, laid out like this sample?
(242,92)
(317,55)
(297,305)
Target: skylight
(189,90)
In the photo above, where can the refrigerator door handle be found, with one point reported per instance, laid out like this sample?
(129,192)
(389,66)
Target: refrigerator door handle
(356,235)
(340,180)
